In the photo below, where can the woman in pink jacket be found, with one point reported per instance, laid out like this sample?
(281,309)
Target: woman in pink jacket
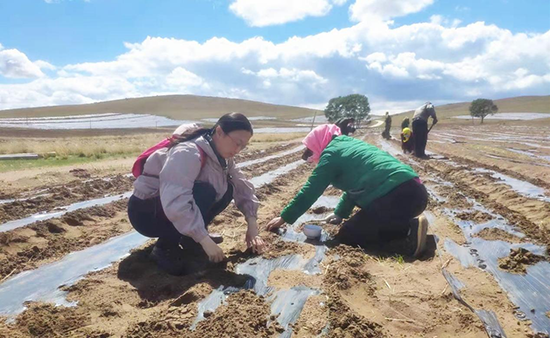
(182,189)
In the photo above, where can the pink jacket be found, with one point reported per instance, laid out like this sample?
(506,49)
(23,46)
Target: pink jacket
(171,173)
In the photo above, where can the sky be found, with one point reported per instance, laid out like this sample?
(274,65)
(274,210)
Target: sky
(302,53)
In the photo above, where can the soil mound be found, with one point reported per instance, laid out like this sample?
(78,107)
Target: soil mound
(518,260)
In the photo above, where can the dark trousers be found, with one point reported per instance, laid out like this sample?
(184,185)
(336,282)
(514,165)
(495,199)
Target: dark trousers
(148,218)
(386,218)
(420,130)
(408,146)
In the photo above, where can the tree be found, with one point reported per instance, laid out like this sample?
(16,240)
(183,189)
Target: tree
(354,105)
(482,108)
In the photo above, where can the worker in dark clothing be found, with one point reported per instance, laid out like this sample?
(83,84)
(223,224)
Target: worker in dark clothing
(387,127)
(420,127)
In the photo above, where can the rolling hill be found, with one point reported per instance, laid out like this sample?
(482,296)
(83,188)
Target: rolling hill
(182,107)
(523,104)
(191,107)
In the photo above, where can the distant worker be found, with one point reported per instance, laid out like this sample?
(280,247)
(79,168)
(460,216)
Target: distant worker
(388,192)
(183,184)
(407,137)
(346,125)
(387,127)
(420,127)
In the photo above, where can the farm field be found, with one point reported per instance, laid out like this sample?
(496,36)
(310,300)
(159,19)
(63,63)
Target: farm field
(72,266)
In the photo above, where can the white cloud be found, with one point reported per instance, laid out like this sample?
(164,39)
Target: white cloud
(75,90)
(294,75)
(437,19)
(406,64)
(339,2)
(14,64)
(183,77)
(363,10)
(44,65)
(276,12)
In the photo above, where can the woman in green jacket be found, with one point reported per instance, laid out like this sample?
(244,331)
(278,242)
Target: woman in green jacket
(389,193)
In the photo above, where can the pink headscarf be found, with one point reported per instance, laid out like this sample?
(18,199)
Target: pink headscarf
(319,138)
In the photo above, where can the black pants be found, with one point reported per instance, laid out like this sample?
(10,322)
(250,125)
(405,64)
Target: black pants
(148,218)
(386,218)
(386,132)
(420,130)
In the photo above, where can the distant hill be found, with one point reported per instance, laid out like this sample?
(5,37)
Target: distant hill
(182,107)
(520,104)
(191,107)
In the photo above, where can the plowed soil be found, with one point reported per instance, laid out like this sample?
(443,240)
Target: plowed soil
(359,293)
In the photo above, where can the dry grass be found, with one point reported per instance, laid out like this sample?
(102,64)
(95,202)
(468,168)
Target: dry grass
(99,146)
(81,147)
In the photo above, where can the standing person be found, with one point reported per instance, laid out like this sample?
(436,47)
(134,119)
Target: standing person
(387,127)
(420,127)
(389,193)
(184,186)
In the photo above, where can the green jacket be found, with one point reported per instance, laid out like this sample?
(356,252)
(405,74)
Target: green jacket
(361,170)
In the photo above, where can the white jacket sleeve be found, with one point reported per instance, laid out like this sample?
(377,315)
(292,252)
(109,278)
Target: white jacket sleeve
(177,178)
(243,192)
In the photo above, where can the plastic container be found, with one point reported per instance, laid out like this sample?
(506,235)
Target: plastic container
(312,231)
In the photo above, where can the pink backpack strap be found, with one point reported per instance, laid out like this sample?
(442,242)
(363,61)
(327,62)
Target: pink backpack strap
(203,156)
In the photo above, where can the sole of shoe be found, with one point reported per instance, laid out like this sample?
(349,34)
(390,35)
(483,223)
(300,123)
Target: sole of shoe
(421,235)
(217,238)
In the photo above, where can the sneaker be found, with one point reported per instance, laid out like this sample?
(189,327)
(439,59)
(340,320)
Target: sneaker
(417,236)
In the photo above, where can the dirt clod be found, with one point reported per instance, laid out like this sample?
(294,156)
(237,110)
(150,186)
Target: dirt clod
(518,260)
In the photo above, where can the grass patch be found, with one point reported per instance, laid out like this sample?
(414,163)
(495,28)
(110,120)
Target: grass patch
(107,145)
(57,161)
(399,259)
(81,146)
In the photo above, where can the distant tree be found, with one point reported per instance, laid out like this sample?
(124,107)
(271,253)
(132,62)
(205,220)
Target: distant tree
(352,106)
(482,108)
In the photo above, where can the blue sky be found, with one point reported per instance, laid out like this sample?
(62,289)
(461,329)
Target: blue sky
(398,53)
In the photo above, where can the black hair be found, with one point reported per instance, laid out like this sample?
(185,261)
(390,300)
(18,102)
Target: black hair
(346,125)
(406,122)
(228,122)
(234,121)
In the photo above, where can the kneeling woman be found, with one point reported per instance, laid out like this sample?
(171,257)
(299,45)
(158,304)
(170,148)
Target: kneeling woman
(389,193)
(184,186)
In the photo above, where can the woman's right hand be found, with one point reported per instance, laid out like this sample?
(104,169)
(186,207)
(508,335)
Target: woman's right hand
(214,252)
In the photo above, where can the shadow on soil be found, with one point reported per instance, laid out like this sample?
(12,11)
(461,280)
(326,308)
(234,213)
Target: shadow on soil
(154,285)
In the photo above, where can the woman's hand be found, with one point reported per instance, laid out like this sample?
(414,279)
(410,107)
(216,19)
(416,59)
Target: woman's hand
(214,252)
(253,240)
(275,224)
(333,219)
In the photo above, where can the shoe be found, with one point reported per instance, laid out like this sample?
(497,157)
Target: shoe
(217,238)
(169,258)
(416,240)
